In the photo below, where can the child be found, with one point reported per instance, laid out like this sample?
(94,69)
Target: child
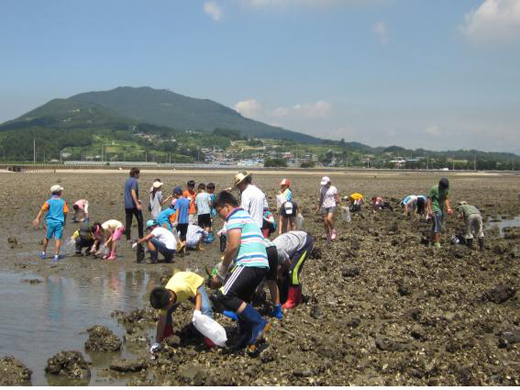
(211,191)
(356,201)
(190,194)
(80,211)
(182,207)
(286,207)
(166,218)
(203,205)
(159,240)
(329,199)
(195,236)
(268,223)
(473,221)
(110,232)
(57,210)
(181,287)
(83,238)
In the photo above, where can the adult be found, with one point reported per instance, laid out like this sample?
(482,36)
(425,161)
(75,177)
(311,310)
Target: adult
(473,221)
(252,199)
(287,209)
(246,248)
(133,204)
(438,200)
(329,200)
(159,240)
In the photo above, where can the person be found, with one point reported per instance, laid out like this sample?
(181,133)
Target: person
(203,206)
(195,236)
(408,204)
(190,194)
(379,204)
(271,278)
(438,200)
(473,220)
(159,240)
(329,200)
(110,233)
(293,249)
(211,191)
(182,207)
(356,201)
(133,204)
(56,210)
(421,206)
(83,238)
(156,199)
(166,218)
(253,200)
(287,209)
(268,223)
(246,248)
(182,286)
(80,211)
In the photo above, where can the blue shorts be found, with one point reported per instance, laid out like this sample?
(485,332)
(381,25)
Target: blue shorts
(54,229)
(437,221)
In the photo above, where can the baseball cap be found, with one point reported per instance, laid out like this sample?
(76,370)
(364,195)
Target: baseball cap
(56,188)
(324,180)
(285,182)
(288,207)
(177,190)
(444,183)
(150,223)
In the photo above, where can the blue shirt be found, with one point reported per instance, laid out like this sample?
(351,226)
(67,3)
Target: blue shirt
(131,184)
(56,209)
(164,218)
(182,206)
(252,252)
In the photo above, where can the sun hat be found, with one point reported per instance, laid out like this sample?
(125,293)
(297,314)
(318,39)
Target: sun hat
(157,184)
(285,182)
(240,177)
(324,180)
(56,188)
(150,223)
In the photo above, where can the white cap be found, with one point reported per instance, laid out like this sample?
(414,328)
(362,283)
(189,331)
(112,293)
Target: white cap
(324,180)
(157,184)
(56,188)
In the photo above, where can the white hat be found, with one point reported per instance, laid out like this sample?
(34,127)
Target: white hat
(240,177)
(324,180)
(56,188)
(157,184)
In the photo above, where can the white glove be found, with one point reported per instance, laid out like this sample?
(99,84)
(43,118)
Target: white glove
(134,245)
(155,347)
(196,313)
(221,271)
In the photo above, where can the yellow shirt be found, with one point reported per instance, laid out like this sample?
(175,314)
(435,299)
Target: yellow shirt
(356,196)
(184,285)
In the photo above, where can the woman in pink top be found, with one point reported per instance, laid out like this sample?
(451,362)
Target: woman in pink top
(329,199)
(80,211)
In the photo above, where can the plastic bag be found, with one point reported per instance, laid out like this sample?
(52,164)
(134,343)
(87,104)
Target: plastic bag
(209,328)
(299,221)
(345,214)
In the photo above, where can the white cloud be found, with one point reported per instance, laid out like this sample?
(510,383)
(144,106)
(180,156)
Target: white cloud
(381,32)
(320,109)
(248,108)
(213,10)
(433,131)
(494,20)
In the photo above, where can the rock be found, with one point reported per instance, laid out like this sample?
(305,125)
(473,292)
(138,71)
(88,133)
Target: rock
(192,374)
(13,242)
(403,287)
(508,338)
(316,312)
(349,272)
(102,339)
(515,252)
(31,281)
(69,364)
(418,333)
(500,294)
(123,365)
(13,372)
(385,344)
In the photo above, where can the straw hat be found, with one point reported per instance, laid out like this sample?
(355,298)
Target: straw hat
(240,177)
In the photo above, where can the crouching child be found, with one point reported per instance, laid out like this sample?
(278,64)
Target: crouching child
(158,240)
(84,238)
(473,221)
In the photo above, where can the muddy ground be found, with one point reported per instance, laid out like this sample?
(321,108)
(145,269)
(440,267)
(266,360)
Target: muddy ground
(380,307)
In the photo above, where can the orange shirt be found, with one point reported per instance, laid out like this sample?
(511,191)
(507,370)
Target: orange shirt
(190,195)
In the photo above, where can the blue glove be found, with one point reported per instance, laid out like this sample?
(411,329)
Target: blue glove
(277,312)
(231,314)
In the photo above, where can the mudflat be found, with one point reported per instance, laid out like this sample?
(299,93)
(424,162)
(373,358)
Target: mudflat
(380,307)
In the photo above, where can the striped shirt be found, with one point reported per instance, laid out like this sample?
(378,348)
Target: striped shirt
(252,252)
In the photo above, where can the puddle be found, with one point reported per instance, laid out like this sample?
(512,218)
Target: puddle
(503,223)
(41,319)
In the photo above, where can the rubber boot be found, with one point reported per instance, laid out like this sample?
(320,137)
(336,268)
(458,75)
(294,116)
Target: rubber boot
(469,243)
(292,297)
(153,257)
(255,322)
(481,244)
(244,335)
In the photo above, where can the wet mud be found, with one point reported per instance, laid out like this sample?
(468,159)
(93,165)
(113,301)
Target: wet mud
(13,372)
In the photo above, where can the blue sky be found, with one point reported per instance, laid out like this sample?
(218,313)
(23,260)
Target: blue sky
(437,74)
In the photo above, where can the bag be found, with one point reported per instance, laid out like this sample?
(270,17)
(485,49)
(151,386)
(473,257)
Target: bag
(299,221)
(345,214)
(209,328)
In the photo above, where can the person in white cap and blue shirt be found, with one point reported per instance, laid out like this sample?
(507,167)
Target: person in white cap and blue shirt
(329,200)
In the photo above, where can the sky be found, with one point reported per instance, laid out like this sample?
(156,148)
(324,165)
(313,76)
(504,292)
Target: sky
(439,75)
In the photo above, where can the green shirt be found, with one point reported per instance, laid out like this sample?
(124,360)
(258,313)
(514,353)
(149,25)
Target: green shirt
(468,210)
(438,198)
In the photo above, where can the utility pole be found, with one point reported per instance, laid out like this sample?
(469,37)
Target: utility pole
(475,162)
(453,162)
(427,162)
(34,150)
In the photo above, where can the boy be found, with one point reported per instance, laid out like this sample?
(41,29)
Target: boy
(190,194)
(182,207)
(438,199)
(181,287)
(56,217)
(80,211)
(83,238)
(195,236)
(166,219)
(159,240)
(211,191)
(203,206)
(473,220)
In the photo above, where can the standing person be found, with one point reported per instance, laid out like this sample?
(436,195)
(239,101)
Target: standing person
(287,209)
(211,191)
(473,220)
(253,200)
(438,200)
(190,194)
(156,199)
(56,215)
(80,211)
(159,240)
(182,207)
(203,206)
(329,199)
(246,248)
(293,249)
(133,204)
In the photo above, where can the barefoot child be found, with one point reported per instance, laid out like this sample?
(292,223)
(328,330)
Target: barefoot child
(56,209)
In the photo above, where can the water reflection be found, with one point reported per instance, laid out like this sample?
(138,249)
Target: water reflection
(503,223)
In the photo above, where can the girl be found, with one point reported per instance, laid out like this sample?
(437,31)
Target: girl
(110,233)
(156,199)
(329,199)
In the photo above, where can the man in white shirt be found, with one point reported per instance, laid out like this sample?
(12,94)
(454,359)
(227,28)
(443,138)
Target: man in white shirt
(253,200)
(159,240)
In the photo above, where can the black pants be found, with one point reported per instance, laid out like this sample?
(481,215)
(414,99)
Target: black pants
(83,243)
(182,229)
(272,257)
(129,216)
(240,286)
